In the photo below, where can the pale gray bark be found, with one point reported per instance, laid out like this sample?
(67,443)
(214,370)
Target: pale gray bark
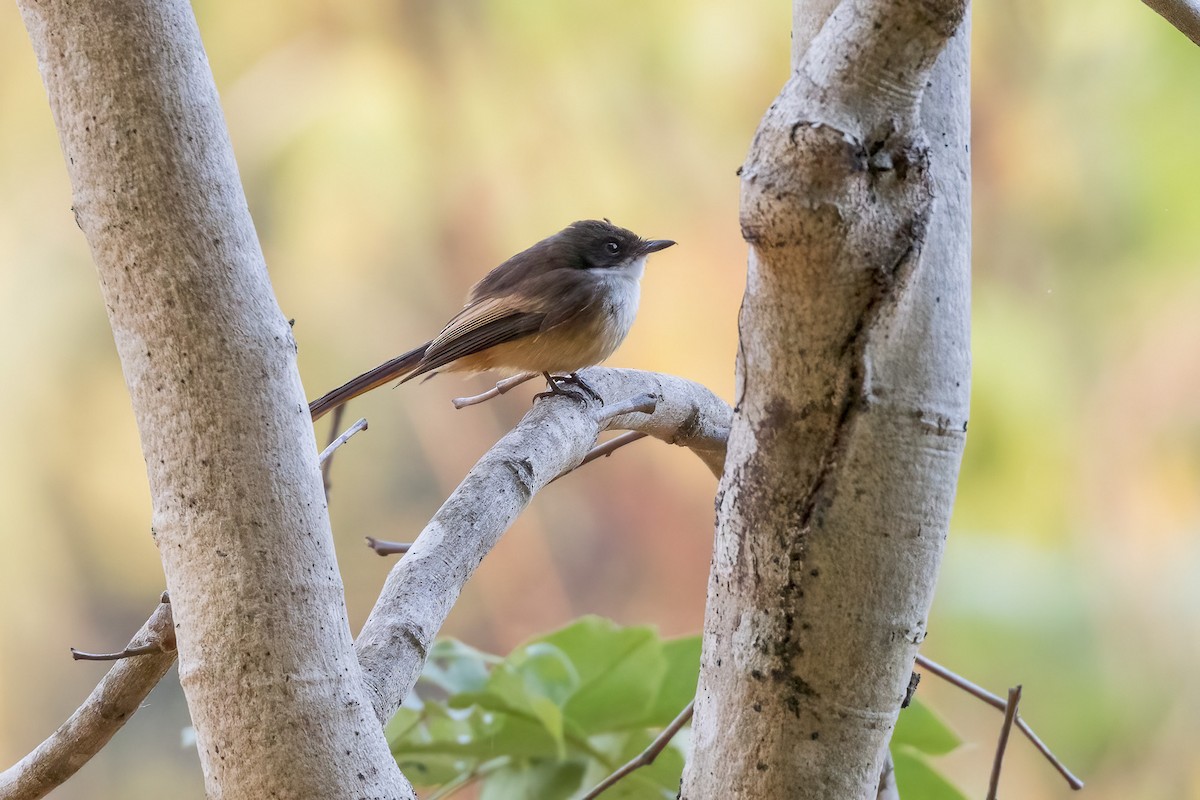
(842,458)
(851,407)
(887,788)
(265,652)
(102,714)
(551,439)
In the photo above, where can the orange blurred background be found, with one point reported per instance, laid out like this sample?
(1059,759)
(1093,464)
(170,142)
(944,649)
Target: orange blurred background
(393,152)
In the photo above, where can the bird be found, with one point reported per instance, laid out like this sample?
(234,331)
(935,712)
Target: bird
(563,304)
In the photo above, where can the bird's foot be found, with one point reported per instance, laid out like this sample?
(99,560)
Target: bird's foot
(556,382)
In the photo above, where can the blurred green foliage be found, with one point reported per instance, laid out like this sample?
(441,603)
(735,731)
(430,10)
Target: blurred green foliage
(393,152)
(565,710)
(920,734)
(552,719)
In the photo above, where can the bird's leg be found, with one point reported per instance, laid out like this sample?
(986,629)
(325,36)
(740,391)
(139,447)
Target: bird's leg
(582,384)
(553,381)
(556,381)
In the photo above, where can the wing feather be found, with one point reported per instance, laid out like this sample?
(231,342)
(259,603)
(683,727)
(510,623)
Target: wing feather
(476,328)
(496,320)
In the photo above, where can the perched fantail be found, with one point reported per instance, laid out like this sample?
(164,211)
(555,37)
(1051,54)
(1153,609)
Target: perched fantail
(564,304)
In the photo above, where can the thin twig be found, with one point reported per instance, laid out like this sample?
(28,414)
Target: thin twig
(642,403)
(335,425)
(385,548)
(606,449)
(996,702)
(1010,715)
(500,388)
(128,652)
(648,755)
(327,453)
(164,643)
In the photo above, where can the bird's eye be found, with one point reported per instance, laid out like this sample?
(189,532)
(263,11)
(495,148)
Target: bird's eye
(612,247)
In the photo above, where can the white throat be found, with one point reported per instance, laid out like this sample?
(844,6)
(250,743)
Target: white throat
(622,291)
(634,269)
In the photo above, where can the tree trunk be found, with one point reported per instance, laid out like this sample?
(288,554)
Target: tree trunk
(851,406)
(239,515)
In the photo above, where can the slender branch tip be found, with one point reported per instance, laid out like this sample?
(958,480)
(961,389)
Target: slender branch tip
(384,547)
(647,756)
(328,452)
(500,388)
(995,702)
(128,652)
(1010,714)
(642,403)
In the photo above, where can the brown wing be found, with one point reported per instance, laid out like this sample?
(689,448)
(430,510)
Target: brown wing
(476,328)
(562,294)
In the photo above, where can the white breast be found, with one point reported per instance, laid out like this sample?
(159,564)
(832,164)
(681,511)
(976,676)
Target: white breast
(623,290)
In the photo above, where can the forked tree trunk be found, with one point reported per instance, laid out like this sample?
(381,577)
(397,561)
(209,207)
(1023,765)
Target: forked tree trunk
(851,404)
(265,654)
(841,468)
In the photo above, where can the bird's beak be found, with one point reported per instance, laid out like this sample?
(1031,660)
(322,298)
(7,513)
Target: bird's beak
(654,245)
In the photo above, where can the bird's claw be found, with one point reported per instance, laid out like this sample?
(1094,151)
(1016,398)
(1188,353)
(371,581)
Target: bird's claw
(556,381)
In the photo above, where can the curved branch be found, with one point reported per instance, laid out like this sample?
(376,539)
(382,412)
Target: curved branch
(554,437)
(872,58)
(105,711)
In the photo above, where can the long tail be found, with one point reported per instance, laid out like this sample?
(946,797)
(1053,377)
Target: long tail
(384,373)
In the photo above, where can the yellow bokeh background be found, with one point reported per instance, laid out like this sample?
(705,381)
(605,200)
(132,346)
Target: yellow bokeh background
(394,151)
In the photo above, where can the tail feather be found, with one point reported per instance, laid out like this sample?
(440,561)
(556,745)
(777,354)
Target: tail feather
(398,367)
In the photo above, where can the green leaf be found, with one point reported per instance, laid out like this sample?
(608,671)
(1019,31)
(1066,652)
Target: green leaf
(678,683)
(915,778)
(667,769)
(401,724)
(589,641)
(517,736)
(515,693)
(546,670)
(656,781)
(539,781)
(442,746)
(520,692)
(551,717)
(921,729)
(620,671)
(578,700)
(453,732)
(524,737)
(456,667)
(433,770)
